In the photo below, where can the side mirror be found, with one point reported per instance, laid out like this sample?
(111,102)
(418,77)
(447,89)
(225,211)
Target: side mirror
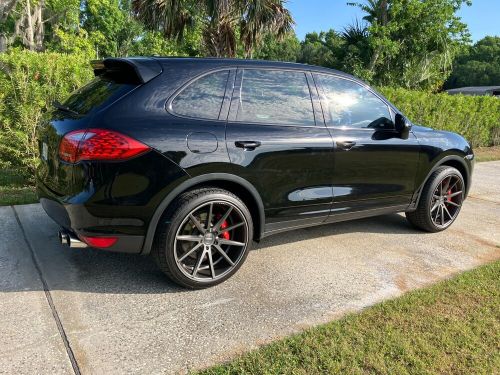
(402,124)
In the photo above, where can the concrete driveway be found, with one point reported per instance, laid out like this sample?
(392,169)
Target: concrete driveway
(64,310)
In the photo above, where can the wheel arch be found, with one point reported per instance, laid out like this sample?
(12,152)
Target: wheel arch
(455,161)
(235,184)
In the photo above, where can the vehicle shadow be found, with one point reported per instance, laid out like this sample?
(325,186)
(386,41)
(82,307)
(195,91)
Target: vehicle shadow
(386,224)
(95,271)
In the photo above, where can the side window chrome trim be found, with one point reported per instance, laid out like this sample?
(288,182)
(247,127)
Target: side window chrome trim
(227,92)
(322,95)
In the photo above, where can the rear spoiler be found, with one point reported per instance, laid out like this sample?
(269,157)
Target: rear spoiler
(140,69)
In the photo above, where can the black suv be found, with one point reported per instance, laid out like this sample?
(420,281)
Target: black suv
(190,159)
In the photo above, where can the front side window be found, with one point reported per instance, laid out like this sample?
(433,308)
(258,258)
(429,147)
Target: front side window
(275,97)
(202,98)
(350,105)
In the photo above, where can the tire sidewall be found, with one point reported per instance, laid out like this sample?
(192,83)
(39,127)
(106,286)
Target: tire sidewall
(440,176)
(176,220)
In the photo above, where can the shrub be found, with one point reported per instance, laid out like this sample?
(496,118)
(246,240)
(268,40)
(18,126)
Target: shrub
(29,83)
(477,118)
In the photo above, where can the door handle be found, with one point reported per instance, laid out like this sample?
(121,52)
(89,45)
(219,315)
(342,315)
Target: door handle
(247,145)
(346,145)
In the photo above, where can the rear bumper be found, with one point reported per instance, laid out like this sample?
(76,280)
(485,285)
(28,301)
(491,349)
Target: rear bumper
(79,220)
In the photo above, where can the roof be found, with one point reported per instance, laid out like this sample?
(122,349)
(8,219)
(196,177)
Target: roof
(216,61)
(146,68)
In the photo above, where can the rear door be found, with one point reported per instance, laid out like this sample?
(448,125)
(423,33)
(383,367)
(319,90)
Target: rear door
(375,166)
(277,140)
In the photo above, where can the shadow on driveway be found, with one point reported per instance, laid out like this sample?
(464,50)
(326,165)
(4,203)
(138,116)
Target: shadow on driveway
(97,271)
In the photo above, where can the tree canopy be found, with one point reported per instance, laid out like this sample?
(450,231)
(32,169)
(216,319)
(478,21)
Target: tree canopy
(479,65)
(408,43)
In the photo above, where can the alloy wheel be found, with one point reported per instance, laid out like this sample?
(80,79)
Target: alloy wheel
(211,241)
(446,201)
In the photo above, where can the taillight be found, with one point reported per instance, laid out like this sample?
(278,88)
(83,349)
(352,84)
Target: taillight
(98,144)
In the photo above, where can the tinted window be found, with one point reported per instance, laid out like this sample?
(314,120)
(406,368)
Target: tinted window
(97,93)
(276,97)
(202,98)
(348,104)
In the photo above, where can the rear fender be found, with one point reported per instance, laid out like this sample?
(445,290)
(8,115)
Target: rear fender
(192,182)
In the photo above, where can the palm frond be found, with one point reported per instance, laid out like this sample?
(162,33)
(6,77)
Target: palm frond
(171,17)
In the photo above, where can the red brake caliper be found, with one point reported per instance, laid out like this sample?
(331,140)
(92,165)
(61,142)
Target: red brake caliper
(448,198)
(225,234)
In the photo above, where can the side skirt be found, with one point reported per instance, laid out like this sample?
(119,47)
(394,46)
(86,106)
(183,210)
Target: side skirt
(333,218)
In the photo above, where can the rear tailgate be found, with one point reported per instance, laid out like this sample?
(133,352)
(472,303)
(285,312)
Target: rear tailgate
(114,79)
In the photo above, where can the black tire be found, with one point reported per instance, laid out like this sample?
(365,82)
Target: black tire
(178,218)
(426,217)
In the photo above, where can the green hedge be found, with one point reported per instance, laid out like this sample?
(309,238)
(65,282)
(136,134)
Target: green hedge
(29,83)
(477,118)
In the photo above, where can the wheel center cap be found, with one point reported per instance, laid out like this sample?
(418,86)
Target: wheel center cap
(209,239)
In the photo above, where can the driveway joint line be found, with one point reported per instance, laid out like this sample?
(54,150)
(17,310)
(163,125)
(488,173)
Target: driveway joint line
(50,301)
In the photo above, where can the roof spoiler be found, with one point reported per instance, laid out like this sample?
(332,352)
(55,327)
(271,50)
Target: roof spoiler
(141,69)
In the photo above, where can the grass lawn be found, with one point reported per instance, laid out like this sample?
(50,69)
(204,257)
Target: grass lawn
(15,190)
(452,327)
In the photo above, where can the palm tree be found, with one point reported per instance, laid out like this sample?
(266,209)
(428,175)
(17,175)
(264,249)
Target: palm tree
(222,21)
(377,12)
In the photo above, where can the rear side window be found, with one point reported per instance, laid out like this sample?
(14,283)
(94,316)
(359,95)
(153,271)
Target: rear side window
(348,104)
(96,94)
(275,97)
(202,98)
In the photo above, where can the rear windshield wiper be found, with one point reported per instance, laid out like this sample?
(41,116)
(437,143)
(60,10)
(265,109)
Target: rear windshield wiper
(64,108)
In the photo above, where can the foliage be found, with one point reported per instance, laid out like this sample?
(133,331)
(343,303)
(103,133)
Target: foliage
(30,82)
(406,43)
(324,49)
(272,48)
(96,28)
(412,43)
(478,66)
(111,24)
(477,118)
(225,25)
(31,23)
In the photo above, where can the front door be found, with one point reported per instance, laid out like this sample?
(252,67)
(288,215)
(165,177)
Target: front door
(275,141)
(375,166)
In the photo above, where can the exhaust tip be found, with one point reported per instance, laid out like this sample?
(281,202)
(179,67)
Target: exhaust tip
(68,239)
(64,238)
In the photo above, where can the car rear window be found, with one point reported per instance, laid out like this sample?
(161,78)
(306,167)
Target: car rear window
(96,94)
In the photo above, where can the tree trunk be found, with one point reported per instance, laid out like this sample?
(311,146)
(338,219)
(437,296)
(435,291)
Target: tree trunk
(6,7)
(39,25)
(383,21)
(4,42)
(29,33)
